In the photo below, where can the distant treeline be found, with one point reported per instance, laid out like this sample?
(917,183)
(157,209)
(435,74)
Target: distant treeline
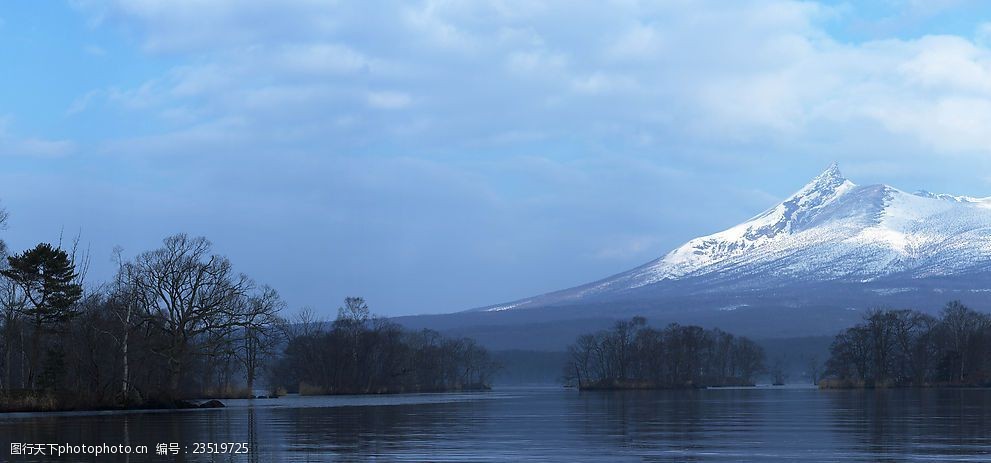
(909,348)
(178,322)
(633,355)
(359,354)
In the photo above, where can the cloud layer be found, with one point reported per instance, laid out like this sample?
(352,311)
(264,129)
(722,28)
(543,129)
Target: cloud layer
(453,75)
(435,156)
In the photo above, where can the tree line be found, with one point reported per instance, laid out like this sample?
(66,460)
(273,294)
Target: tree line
(363,354)
(910,348)
(634,355)
(178,321)
(174,321)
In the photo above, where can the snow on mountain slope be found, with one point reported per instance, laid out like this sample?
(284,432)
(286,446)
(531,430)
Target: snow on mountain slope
(789,218)
(830,230)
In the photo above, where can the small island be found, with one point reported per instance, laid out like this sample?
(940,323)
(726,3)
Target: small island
(360,354)
(907,348)
(633,355)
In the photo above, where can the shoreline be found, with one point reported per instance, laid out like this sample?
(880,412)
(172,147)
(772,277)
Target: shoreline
(197,403)
(652,386)
(862,385)
(150,405)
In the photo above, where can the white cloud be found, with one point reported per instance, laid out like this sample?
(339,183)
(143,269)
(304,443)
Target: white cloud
(568,138)
(388,100)
(427,20)
(949,64)
(189,25)
(39,147)
(983,34)
(947,125)
(536,63)
(322,58)
(695,73)
(600,82)
(13,145)
(640,42)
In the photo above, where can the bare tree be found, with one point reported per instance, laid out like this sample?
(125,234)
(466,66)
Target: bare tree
(261,332)
(352,320)
(12,304)
(814,367)
(364,354)
(962,324)
(188,294)
(3,226)
(904,347)
(304,323)
(80,259)
(634,354)
(124,300)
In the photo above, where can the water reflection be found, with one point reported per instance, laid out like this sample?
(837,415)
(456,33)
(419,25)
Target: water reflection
(711,425)
(554,425)
(950,424)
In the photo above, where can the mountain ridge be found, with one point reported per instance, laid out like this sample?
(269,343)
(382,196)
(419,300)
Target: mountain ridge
(830,230)
(811,265)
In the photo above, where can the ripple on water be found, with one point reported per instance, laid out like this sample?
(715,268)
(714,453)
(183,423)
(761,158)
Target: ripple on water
(554,424)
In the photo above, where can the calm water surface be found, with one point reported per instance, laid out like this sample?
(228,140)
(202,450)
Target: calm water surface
(551,424)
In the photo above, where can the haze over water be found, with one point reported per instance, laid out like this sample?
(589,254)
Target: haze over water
(554,424)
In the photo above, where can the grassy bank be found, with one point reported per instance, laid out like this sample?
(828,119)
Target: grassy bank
(26,401)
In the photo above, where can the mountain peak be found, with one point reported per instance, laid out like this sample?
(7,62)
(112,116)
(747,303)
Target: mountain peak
(831,231)
(832,172)
(828,181)
(822,190)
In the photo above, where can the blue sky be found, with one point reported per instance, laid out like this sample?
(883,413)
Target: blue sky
(438,156)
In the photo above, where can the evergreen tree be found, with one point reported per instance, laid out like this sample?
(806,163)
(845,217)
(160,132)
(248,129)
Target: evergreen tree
(46,277)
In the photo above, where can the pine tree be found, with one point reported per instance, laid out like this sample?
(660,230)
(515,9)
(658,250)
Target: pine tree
(46,276)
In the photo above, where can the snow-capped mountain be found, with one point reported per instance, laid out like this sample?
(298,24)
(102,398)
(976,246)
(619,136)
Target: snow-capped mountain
(831,232)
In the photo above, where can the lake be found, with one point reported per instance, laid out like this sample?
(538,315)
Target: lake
(544,424)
